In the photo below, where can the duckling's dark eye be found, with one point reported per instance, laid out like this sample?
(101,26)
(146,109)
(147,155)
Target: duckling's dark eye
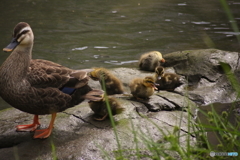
(149,81)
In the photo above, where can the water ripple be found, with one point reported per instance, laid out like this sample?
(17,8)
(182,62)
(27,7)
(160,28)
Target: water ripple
(182,4)
(201,22)
(80,48)
(220,28)
(121,63)
(229,33)
(100,47)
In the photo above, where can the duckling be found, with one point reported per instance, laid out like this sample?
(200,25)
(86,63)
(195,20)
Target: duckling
(149,61)
(100,108)
(113,84)
(142,88)
(166,81)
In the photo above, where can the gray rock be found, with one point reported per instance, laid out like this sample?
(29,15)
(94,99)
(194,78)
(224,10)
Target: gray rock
(207,82)
(78,136)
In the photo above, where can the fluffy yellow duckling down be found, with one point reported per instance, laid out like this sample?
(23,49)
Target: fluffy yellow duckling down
(166,81)
(142,88)
(113,84)
(149,61)
(100,108)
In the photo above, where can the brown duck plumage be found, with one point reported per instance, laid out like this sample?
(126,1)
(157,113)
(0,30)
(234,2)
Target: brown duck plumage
(39,86)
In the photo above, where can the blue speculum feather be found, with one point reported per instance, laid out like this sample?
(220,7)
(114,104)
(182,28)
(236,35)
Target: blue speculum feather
(68,90)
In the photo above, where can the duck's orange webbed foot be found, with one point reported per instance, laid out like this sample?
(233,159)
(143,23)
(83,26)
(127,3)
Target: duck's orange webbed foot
(45,133)
(29,127)
(42,133)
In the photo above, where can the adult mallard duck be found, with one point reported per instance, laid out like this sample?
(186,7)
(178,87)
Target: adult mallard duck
(39,87)
(112,83)
(149,61)
(100,108)
(166,81)
(142,88)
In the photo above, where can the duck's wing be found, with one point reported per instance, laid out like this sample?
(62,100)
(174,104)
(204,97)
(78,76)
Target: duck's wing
(47,63)
(43,74)
(42,101)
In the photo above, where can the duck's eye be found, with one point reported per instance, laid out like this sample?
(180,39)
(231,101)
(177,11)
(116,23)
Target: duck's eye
(24,31)
(149,81)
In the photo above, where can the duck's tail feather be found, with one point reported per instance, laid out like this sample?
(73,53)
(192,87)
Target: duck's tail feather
(94,95)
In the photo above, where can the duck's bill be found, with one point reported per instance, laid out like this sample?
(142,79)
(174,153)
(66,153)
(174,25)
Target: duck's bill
(11,46)
(155,86)
(163,61)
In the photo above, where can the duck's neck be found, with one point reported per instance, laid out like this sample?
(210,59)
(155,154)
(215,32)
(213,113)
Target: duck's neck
(17,64)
